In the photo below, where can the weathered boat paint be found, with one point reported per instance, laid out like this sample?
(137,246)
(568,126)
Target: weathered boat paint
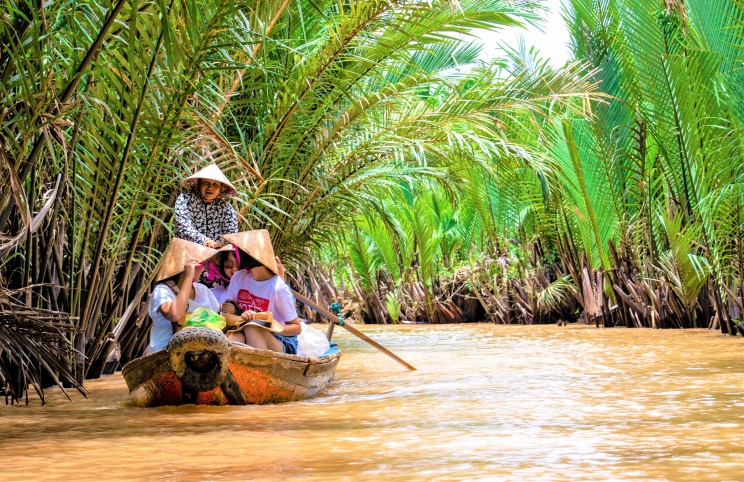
(263,376)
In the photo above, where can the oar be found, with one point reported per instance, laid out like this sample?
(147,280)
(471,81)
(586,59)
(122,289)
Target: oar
(351,329)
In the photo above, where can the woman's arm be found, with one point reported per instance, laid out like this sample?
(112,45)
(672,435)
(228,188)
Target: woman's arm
(232,320)
(185,228)
(284,304)
(228,311)
(292,328)
(175,311)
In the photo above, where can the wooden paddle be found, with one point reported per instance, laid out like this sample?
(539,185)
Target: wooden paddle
(351,329)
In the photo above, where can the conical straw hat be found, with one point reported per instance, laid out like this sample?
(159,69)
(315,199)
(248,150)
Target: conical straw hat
(179,252)
(213,173)
(257,243)
(262,320)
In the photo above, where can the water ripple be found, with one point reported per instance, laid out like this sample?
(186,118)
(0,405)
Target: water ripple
(486,403)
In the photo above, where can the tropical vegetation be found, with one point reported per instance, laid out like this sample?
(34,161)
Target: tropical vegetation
(626,213)
(398,172)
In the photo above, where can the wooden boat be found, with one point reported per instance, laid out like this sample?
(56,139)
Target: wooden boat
(200,366)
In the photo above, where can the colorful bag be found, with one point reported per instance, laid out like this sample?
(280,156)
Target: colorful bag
(205,318)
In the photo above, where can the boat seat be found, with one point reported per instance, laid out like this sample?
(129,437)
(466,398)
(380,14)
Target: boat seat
(333,349)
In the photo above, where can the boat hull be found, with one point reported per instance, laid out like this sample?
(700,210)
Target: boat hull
(253,377)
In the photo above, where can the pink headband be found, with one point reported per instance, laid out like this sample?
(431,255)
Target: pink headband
(213,271)
(237,255)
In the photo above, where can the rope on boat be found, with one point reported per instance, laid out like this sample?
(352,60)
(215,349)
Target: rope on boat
(335,308)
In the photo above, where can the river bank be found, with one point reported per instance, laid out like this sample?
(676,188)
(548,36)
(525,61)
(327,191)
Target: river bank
(487,402)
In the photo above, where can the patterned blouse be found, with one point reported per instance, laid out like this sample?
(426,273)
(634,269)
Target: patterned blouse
(198,221)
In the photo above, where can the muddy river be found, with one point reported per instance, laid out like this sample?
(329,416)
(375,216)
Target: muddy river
(487,403)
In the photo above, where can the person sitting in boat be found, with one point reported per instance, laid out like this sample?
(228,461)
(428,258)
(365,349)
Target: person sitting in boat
(203,212)
(258,288)
(224,265)
(177,294)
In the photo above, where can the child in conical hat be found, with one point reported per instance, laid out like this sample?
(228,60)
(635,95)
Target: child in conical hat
(177,292)
(203,212)
(223,267)
(258,288)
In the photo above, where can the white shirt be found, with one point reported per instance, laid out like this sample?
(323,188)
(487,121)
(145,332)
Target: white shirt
(162,330)
(271,295)
(220,293)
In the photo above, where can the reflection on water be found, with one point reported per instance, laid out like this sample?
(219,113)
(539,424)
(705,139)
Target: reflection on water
(487,403)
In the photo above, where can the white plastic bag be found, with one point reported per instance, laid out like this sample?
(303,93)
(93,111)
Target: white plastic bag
(311,342)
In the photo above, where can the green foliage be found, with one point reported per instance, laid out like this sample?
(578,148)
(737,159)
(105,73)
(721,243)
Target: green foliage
(554,295)
(687,272)
(369,129)
(392,304)
(660,141)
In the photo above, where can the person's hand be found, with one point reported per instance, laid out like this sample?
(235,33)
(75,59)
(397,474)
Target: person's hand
(248,315)
(217,244)
(279,267)
(189,268)
(210,244)
(228,308)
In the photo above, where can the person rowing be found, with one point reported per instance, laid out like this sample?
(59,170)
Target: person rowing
(203,213)
(256,291)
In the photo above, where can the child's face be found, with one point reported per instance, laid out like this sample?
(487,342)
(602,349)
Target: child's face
(209,190)
(230,266)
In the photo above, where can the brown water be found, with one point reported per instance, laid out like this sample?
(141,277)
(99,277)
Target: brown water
(487,403)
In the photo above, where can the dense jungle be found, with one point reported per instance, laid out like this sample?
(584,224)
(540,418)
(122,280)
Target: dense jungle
(400,174)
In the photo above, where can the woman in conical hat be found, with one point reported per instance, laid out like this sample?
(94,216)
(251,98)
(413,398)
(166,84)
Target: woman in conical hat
(257,289)
(203,212)
(177,292)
